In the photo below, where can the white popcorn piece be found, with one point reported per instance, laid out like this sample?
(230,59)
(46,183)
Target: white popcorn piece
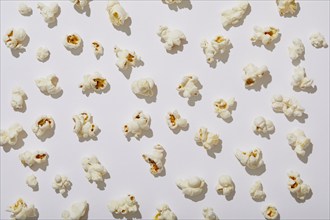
(192,186)
(72,41)
(300,80)
(31,181)
(171,38)
(188,86)
(140,123)
(289,106)
(234,15)
(297,49)
(94,170)
(174,120)
(209,214)
(262,125)
(265,35)
(296,185)
(223,108)
(10,135)
(43,124)
(97,48)
(225,185)
(251,159)
(253,73)
(170,2)
(286,6)
(256,191)
(21,211)
(18,97)
(155,159)
(93,82)
(318,40)
(270,212)
(298,140)
(218,44)
(143,87)
(76,211)
(49,84)
(61,184)
(207,139)
(29,158)
(81,4)
(117,13)
(42,54)
(24,9)
(49,12)
(84,126)
(124,206)
(14,38)
(165,213)
(126,58)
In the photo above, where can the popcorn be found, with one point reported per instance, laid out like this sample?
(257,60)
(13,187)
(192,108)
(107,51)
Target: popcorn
(84,126)
(94,170)
(209,214)
(170,37)
(97,48)
(251,159)
(21,211)
(10,135)
(296,185)
(207,139)
(126,58)
(14,38)
(318,40)
(29,158)
(42,54)
(296,50)
(95,82)
(49,84)
(188,86)
(76,211)
(174,120)
(225,185)
(43,124)
(49,12)
(124,206)
(18,97)
(286,6)
(72,41)
(117,13)
(140,123)
(256,191)
(143,87)
(289,106)
(262,125)
(298,140)
(192,186)
(234,15)
(165,213)
(300,80)
(223,108)
(31,181)
(253,73)
(265,34)
(61,184)
(270,212)
(81,4)
(218,44)
(156,159)
(24,9)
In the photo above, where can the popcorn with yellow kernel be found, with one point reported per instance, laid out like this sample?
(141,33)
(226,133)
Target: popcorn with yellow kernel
(97,48)
(296,185)
(84,126)
(165,213)
(207,139)
(270,212)
(72,41)
(265,35)
(140,123)
(218,44)
(93,82)
(21,211)
(81,4)
(29,158)
(174,120)
(155,159)
(252,159)
(117,13)
(14,38)
(225,185)
(126,58)
(42,125)
(224,108)
(124,206)
(253,73)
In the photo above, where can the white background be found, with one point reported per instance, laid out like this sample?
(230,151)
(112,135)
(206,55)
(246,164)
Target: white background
(122,158)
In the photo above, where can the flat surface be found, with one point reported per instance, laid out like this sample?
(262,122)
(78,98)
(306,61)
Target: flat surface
(122,158)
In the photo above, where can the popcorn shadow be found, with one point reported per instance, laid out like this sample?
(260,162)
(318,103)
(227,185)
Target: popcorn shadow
(101,184)
(35,188)
(297,61)
(184,4)
(129,216)
(309,150)
(149,99)
(65,194)
(98,56)
(53,24)
(215,149)
(261,82)
(176,48)
(311,89)
(148,134)
(48,134)
(295,13)
(126,72)
(256,172)
(95,138)
(41,166)
(223,57)
(301,119)
(200,196)
(45,60)
(77,51)
(125,27)
(86,10)
(19,143)
(17,52)
(270,46)
(89,91)
(260,200)
(57,95)
(85,216)
(28,14)
(247,12)
(265,135)
(178,129)
(36,217)
(308,196)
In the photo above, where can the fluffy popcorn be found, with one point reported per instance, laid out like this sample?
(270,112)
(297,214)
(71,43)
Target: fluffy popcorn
(76,211)
(93,82)
(123,206)
(299,78)
(234,15)
(256,191)
(297,49)
(318,40)
(43,124)
(265,35)
(42,54)
(289,106)
(188,86)
(192,186)
(61,184)
(80,3)
(14,38)
(29,158)
(49,84)
(223,108)
(18,97)
(117,13)
(218,44)
(253,73)
(298,140)
(262,125)
(207,139)
(94,170)
(286,6)
(270,212)
(225,185)
(49,12)
(10,135)
(143,87)
(170,2)
(24,9)
(296,185)
(174,120)
(84,126)
(126,58)
(155,159)
(21,211)
(164,213)
(171,38)
(31,181)
(251,159)
(72,41)
(140,122)
(209,214)
(97,48)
